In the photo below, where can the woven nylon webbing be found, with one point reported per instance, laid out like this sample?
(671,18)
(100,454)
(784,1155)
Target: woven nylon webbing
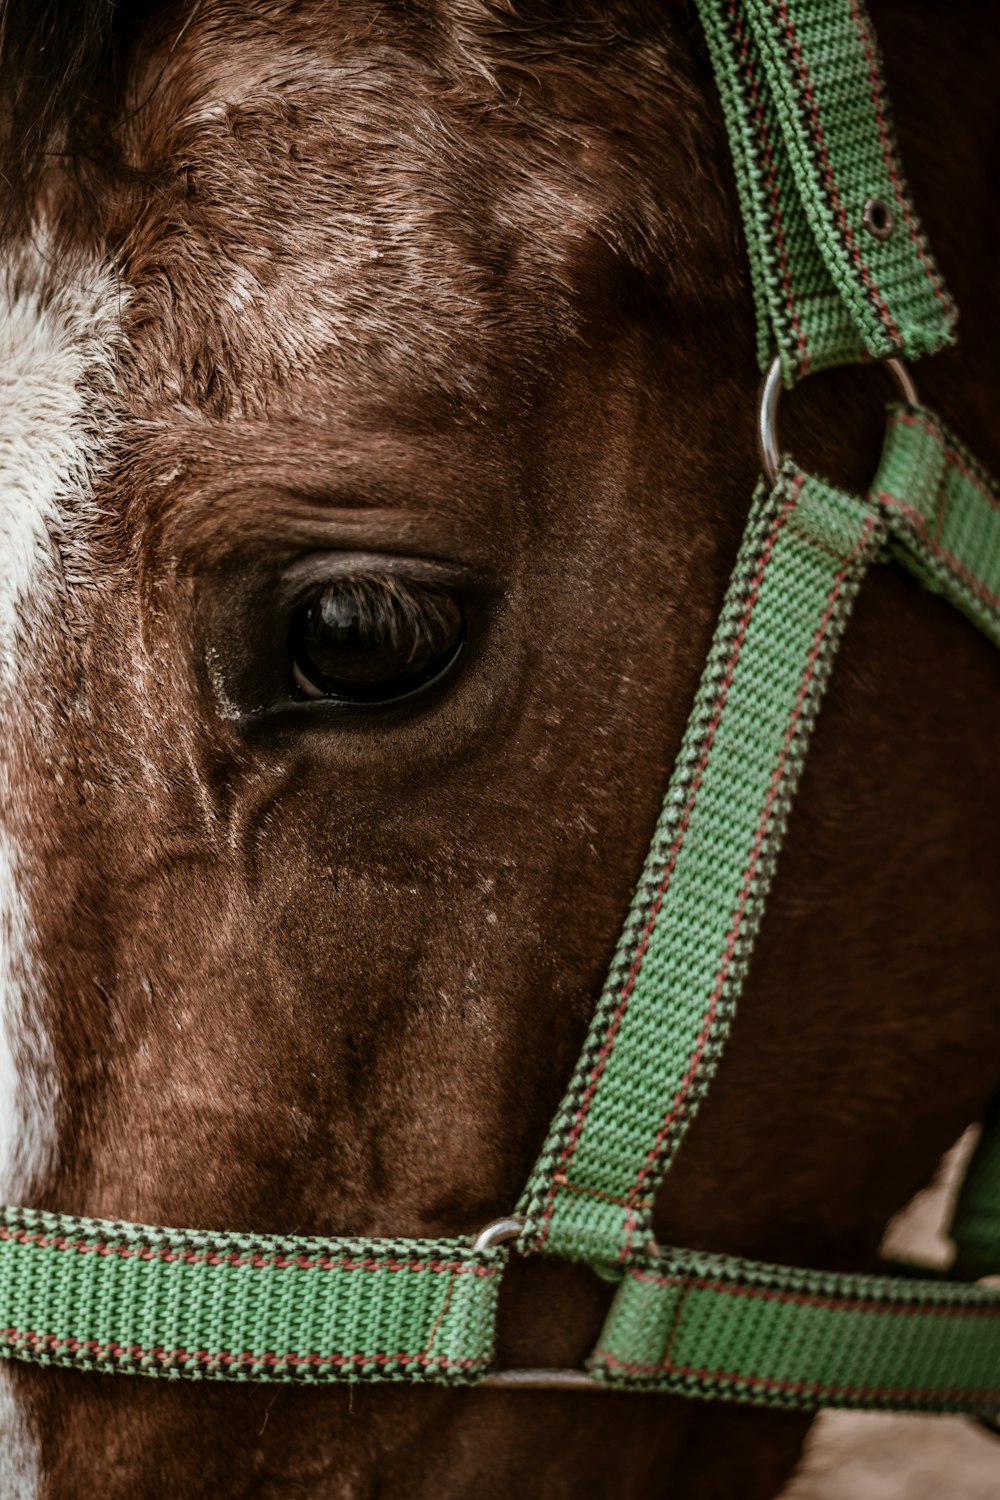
(126,1297)
(665,1010)
(196,1305)
(812,143)
(943,513)
(714,1326)
(709,1325)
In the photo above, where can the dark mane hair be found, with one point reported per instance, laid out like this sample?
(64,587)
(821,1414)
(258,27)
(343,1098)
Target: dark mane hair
(60,78)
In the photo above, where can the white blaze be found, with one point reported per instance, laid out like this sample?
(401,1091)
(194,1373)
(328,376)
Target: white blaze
(58,333)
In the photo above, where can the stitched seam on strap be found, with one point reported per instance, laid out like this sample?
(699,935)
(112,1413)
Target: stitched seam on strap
(588,1192)
(777,777)
(956,458)
(769,164)
(953,563)
(833,191)
(216,1258)
(675,1326)
(116,1351)
(811,1299)
(442,1315)
(889,155)
(616,1020)
(801,1387)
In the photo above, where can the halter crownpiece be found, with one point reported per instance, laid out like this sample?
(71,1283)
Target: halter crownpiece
(841,274)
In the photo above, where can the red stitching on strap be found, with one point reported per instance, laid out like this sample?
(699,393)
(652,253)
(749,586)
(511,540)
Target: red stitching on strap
(777,777)
(696,781)
(833,191)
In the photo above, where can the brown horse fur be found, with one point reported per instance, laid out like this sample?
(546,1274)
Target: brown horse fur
(456,290)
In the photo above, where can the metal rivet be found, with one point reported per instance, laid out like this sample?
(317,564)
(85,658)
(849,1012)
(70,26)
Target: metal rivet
(879,218)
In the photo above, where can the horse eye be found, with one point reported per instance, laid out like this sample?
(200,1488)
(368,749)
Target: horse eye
(374,640)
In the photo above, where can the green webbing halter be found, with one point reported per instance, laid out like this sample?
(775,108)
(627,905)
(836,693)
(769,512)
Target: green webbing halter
(820,184)
(239,1307)
(812,144)
(661,1022)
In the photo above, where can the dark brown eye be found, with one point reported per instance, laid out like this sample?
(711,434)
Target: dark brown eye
(374,639)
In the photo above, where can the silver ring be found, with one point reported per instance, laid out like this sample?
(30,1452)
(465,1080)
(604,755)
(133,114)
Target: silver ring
(768,445)
(499,1232)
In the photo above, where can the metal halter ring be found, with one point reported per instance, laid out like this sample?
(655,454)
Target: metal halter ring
(501,1232)
(768,444)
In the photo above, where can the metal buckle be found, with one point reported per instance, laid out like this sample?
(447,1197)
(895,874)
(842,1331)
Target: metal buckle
(502,1232)
(768,445)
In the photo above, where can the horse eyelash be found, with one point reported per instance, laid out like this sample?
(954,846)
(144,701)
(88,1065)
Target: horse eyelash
(418,614)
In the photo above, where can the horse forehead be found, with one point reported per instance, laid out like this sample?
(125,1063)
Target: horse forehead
(330,198)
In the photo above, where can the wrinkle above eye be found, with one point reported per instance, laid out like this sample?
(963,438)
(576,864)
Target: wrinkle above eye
(221,489)
(283,530)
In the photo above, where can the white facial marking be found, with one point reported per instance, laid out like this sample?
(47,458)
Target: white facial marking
(58,332)
(19,1471)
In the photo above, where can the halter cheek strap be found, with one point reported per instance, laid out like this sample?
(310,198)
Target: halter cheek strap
(841,273)
(719,1326)
(664,1015)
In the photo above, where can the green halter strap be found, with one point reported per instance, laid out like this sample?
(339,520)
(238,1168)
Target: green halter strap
(715,1325)
(820,185)
(662,1020)
(815,159)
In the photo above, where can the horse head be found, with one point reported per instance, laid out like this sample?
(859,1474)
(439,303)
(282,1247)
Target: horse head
(377,441)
